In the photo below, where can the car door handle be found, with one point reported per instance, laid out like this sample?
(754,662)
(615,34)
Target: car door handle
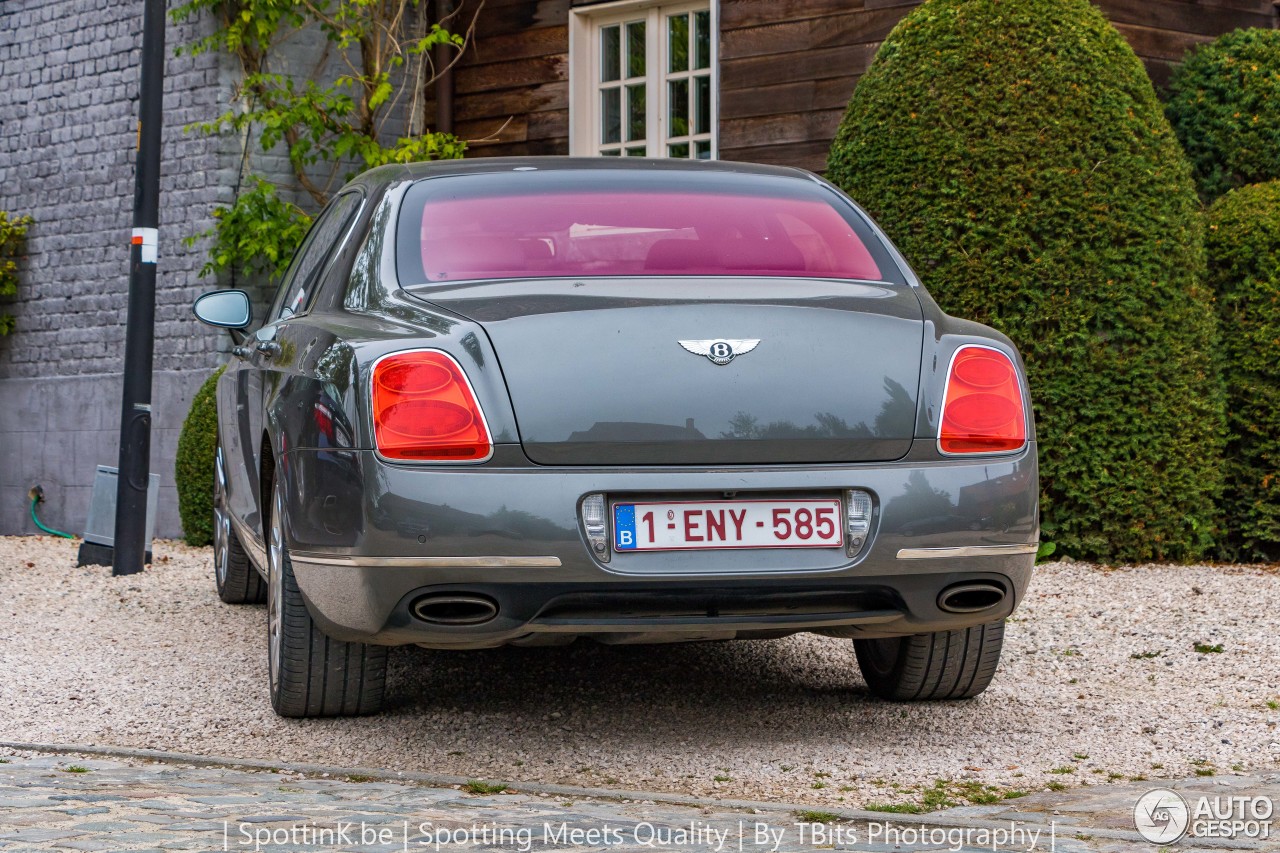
(268,348)
(240,351)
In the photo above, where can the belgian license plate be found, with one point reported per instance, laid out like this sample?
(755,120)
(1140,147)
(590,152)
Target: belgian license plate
(688,525)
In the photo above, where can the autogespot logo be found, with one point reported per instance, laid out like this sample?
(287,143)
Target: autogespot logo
(1161,816)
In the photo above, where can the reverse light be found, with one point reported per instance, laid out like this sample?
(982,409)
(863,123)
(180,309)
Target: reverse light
(983,410)
(425,411)
(858,520)
(593,521)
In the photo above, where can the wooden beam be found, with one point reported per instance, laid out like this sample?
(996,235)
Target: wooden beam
(831,93)
(1160,44)
(758,71)
(811,155)
(542,41)
(809,34)
(754,13)
(552,146)
(495,76)
(1183,17)
(499,17)
(780,129)
(543,97)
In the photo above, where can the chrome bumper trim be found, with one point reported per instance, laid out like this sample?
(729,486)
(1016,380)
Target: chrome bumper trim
(426,562)
(965,551)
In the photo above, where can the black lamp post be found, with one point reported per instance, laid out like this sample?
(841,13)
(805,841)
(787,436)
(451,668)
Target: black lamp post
(135,414)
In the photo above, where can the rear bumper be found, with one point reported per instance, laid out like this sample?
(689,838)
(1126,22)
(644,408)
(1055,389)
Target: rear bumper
(548,613)
(371,539)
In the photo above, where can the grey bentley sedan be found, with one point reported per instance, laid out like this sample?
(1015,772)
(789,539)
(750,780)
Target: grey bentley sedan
(526,401)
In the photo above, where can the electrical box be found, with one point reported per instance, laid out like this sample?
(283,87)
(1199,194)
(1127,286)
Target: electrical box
(99,531)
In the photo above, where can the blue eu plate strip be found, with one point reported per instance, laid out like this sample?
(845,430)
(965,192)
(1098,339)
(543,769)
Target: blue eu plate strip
(624,527)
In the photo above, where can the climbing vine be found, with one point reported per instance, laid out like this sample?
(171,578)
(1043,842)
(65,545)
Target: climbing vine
(13,236)
(359,105)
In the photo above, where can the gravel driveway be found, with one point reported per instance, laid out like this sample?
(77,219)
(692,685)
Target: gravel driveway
(1101,680)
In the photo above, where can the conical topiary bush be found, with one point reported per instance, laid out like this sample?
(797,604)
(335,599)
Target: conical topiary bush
(1224,104)
(1016,152)
(194,464)
(1244,270)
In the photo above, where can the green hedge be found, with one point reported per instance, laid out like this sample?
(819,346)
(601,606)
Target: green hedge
(193,468)
(1244,269)
(1224,104)
(1016,152)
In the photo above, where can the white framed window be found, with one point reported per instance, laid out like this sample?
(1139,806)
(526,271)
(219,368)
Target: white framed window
(642,79)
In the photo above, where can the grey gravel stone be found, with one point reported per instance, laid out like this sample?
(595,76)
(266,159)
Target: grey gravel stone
(158,662)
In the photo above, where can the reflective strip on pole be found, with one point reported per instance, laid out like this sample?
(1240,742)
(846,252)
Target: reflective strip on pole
(149,240)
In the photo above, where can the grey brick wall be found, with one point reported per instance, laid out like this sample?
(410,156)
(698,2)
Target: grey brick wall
(68,119)
(68,124)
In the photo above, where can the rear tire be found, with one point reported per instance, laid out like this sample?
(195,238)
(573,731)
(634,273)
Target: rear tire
(312,675)
(237,580)
(939,665)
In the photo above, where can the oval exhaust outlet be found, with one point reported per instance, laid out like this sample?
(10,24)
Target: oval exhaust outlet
(455,609)
(970,597)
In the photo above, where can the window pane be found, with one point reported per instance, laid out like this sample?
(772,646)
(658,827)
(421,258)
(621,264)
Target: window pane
(635,112)
(321,244)
(636,152)
(677,108)
(680,150)
(635,49)
(702,104)
(703,150)
(610,115)
(612,152)
(678,41)
(610,54)
(702,40)
(627,223)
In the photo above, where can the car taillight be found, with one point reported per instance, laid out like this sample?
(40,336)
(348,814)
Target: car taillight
(425,411)
(982,411)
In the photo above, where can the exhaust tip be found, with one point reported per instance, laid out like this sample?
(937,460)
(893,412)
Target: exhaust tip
(455,609)
(970,597)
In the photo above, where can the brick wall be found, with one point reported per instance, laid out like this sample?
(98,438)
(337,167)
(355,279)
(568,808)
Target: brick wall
(68,119)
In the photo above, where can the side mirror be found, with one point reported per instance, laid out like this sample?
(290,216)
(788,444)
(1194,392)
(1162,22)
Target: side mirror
(226,309)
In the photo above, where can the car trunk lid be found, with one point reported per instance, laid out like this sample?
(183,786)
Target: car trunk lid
(655,371)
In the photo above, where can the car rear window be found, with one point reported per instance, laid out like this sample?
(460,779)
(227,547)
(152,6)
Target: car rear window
(587,223)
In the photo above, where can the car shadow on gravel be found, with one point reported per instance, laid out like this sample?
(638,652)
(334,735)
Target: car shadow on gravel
(684,688)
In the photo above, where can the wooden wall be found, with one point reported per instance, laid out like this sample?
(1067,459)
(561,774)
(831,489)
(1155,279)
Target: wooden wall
(511,91)
(787,67)
(1161,31)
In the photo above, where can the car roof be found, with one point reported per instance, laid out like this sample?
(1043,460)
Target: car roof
(488,165)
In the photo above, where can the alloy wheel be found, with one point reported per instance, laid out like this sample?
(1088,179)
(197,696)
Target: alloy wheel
(275,584)
(221,520)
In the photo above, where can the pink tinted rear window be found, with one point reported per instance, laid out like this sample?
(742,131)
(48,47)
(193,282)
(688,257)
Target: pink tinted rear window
(638,233)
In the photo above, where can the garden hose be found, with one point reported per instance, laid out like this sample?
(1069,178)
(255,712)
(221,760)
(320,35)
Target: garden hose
(37,495)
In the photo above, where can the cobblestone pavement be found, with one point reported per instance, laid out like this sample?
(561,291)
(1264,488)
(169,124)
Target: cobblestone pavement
(68,802)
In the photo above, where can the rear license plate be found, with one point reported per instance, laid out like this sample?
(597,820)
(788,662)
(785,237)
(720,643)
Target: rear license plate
(694,525)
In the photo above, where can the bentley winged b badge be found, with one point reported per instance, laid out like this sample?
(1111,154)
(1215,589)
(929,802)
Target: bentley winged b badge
(721,350)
